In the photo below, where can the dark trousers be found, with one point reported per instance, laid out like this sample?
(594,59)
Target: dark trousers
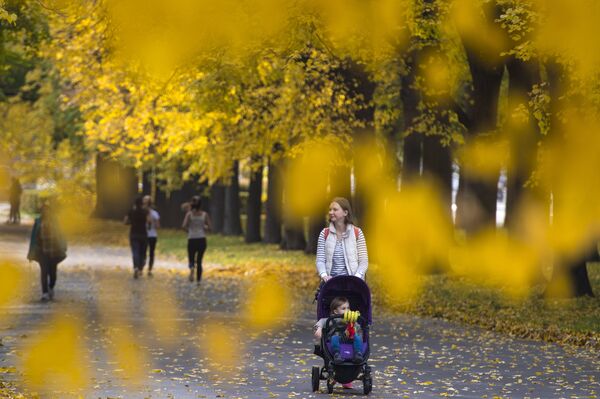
(15,213)
(196,248)
(48,268)
(151,248)
(138,250)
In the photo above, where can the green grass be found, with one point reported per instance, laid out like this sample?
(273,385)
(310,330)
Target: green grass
(233,251)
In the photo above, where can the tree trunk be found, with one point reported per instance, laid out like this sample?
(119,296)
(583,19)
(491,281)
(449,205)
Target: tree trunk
(437,164)
(293,234)
(217,207)
(575,272)
(476,194)
(362,195)
(273,205)
(315,225)
(522,76)
(412,144)
(168,204)
(233,224)
(116,188)
(254,207)
(316,221)
(359,82)
(579,275)
(570,279)
(340,182)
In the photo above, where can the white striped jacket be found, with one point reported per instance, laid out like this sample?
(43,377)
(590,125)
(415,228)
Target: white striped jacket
(355,252)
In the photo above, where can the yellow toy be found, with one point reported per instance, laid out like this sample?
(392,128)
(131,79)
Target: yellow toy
(350,317)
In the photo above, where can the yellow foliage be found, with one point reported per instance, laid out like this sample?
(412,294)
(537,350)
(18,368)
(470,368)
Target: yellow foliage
(358,25)
(438,76)
(477,30)
(56,357)
(26,138)
(569,29)
(5,15)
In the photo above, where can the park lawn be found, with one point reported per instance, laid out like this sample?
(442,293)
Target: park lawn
(570,321)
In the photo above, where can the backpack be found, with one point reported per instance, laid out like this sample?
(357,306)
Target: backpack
(34,243)
(326,232)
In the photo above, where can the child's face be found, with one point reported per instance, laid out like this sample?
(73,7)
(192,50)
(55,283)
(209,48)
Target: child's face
(343,308)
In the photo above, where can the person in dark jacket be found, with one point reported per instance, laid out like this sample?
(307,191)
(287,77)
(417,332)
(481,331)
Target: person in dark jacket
(138,218)
(48,247)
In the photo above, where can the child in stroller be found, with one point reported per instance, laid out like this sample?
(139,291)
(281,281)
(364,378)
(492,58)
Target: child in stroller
(341,330)
(351,362)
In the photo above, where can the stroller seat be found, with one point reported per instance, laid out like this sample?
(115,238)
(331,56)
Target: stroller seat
(358,294)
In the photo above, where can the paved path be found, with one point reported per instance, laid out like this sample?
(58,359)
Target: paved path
(171,320)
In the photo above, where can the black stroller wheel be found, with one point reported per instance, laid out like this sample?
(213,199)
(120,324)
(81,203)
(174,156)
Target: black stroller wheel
(330,386)
(367,381)
(368,385)
(315,378)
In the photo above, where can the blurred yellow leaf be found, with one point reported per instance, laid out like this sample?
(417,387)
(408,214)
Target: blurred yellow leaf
(411,236)
(307,178)
(162,313)
(493,257)
(56,358)
(478,30)
(267,304)
(567,29)
(11,282)
(222,343)
(569,171)
(483,157)
(126,351)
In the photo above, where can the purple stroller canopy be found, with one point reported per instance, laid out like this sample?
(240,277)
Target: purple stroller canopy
(351,287)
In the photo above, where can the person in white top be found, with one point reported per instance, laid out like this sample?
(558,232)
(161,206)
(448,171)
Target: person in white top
(153,226)
(341,248)
(196,223)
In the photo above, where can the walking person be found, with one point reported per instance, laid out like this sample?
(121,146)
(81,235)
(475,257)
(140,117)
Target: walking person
(196,223)
(153,226)
(342,248)
(15,192)
(48,247)
(139,219)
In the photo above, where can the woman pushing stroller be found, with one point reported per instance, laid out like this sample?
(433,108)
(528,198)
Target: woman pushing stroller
(342,263)
(342,248)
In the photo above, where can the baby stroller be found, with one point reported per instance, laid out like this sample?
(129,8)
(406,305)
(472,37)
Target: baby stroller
(359,296)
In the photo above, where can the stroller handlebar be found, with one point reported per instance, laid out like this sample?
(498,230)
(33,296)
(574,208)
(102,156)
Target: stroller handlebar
(361,320)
